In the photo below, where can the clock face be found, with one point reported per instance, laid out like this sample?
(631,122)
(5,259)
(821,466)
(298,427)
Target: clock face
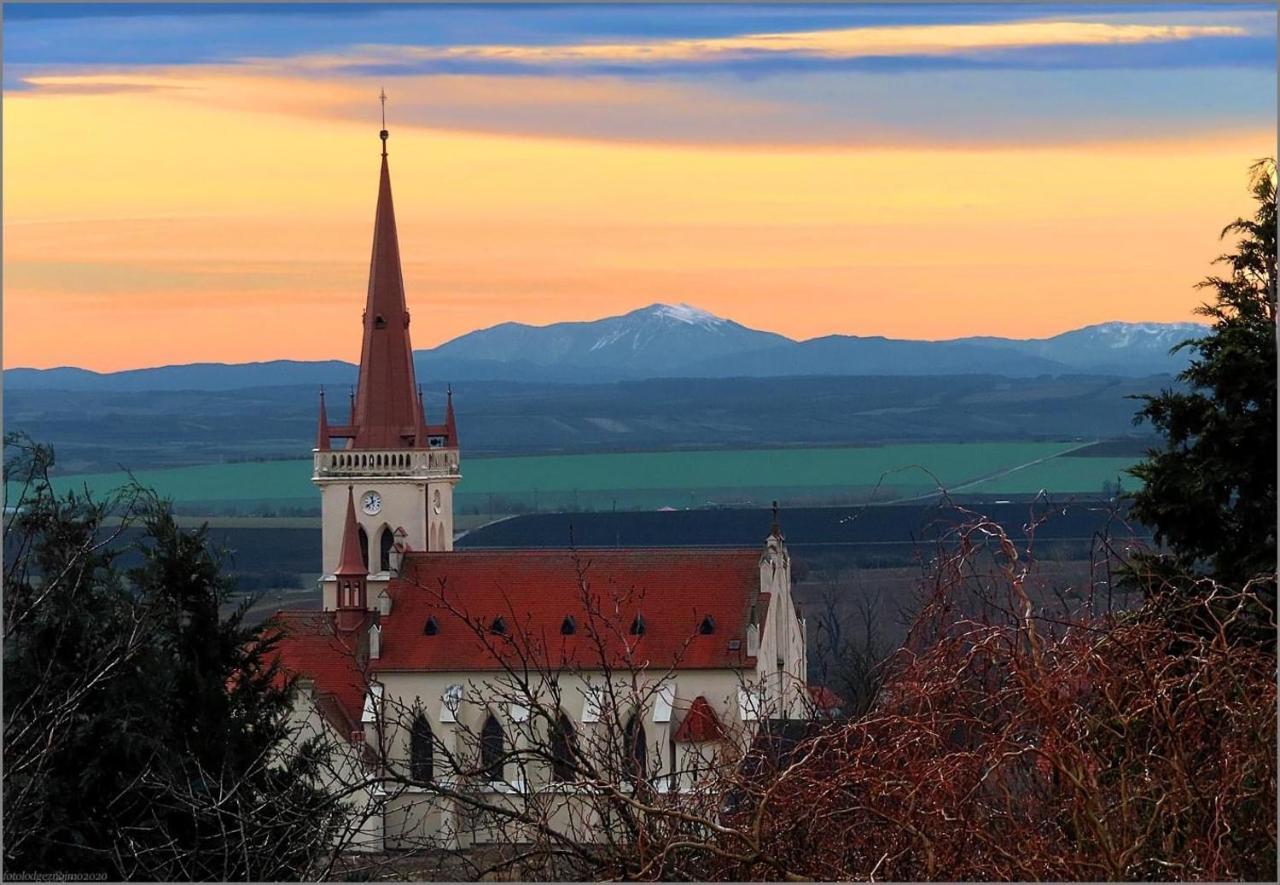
(435,501)
(371,503)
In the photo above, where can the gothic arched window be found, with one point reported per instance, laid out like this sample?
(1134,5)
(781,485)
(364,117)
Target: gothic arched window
(385,543)
(492,749)
(364,547)
(421,751)
(564,749)
(636,762)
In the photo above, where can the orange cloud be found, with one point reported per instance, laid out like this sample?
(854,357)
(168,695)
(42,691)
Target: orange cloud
(230,219)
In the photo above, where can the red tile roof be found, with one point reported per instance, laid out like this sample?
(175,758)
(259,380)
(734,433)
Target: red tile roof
(824,699)
(699,724)
(311,647)
(533,591)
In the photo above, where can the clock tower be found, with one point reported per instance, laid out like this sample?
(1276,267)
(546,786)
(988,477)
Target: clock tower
(397,469)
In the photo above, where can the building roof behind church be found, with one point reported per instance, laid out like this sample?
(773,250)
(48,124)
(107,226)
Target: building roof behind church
(674,591)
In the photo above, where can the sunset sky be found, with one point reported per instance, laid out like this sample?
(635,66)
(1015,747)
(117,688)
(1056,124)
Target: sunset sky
(186,183)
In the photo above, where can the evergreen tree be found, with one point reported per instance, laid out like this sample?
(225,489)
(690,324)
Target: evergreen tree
(146,732)
(1210,493)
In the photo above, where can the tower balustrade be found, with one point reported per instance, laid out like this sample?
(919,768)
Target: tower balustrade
(426,463)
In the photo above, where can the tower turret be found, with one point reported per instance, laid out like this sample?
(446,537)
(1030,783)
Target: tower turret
(450,424)
(322,430)
(422,436)
(352,575)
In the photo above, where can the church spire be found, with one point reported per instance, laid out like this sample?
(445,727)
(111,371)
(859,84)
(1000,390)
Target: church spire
(352,579)
(386,403)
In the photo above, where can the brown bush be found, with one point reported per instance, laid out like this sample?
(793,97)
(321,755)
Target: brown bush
(1009,744)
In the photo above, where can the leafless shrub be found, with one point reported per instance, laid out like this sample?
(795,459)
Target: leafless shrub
(1006,745)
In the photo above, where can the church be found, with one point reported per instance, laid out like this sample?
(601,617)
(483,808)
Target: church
(419,661)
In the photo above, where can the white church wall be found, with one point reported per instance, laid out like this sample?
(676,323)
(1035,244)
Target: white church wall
(403,505)
(346,773)
(407,693)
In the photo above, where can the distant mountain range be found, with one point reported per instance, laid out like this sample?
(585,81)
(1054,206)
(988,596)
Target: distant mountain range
(673,341)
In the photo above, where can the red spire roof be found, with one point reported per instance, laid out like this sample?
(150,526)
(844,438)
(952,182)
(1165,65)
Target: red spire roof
(386,401)
(351,560)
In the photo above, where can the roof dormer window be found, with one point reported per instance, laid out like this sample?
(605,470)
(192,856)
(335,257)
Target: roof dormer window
(637,626)
(432,627)
(568,626)
(379,322)
(708,626)
(498,626)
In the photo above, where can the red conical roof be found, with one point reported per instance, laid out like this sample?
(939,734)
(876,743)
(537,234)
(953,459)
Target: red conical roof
(351,560)
(386,403)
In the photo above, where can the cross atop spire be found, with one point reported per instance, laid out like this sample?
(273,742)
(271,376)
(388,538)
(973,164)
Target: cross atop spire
(382,97)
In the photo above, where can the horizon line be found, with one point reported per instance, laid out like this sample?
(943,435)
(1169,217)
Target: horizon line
(415,351)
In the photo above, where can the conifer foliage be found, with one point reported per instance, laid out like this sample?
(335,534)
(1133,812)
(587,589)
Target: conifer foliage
(1210,493)
(145,729)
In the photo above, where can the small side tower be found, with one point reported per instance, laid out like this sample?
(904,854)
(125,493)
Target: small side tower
(351,577)
(399,469)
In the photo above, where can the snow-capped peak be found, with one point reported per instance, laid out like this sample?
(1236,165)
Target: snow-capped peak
(1120,335)
(686,313)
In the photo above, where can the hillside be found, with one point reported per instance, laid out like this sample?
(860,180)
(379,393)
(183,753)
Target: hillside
(94,431)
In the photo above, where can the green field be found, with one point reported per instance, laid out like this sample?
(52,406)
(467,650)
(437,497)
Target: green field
(647,480)
(1063,474)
